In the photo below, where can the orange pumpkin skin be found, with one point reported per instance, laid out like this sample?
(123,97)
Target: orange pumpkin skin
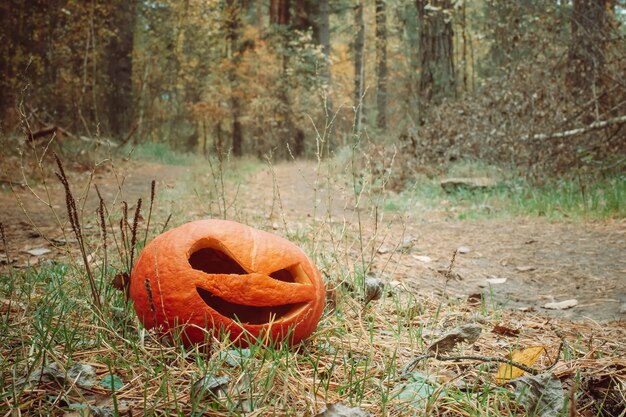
(218,274)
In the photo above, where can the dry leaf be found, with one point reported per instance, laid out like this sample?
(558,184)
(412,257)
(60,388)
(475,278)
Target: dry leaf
(373,289)
(495,280)
(38,251)
(526,357)
(561,305)
(340,410)
(505,330)
(541,395)
(423,258)
(467,333)
(463,250)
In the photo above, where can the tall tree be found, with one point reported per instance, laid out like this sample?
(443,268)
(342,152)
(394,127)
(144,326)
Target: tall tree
(586,53)
(381,64)
(234,53)
(280,19)
(120,68)
(436,49)
(324,39)
(359,68)
(279,12)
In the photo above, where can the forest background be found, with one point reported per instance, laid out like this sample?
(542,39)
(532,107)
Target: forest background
(357,110)
(538,84)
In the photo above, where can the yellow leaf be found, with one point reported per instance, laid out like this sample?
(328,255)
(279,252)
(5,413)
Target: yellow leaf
(526,357)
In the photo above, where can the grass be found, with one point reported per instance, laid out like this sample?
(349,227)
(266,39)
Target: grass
(159,153)
(575,198)
(356,356)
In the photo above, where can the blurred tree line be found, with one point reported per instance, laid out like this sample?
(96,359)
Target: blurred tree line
(305,77)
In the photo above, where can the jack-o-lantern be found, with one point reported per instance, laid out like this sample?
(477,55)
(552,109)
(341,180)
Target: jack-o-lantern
(223,275)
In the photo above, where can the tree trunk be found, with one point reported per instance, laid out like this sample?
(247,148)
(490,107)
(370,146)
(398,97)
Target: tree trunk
(436,50)
(280,19)
(324,39)
(234,54)
(120,70)
(279,12)
(586,53)
(381,64)
(260,24)
(359,70)
(306,16)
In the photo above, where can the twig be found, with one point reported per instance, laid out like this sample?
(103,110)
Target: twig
(407,368)
(448,274)
(593,126)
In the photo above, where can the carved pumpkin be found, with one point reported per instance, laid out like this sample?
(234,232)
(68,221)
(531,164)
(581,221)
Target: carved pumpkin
(218,274)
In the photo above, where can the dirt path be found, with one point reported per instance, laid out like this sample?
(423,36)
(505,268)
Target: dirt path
(522,263)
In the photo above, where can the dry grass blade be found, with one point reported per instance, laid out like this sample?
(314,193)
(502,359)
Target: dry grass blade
(133,234)
(5,243)
(152,196)
(72,213)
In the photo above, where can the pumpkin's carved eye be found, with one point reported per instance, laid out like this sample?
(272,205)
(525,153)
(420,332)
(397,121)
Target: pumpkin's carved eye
(214,261)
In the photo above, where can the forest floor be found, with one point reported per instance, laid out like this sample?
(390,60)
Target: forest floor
(497,274)
(518,262)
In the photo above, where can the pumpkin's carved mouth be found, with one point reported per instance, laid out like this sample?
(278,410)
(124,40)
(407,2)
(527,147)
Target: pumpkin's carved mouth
(214,261)
(246,314)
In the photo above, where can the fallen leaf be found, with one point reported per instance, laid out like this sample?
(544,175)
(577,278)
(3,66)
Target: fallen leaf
(418,390)
(423,258)
(463,250)
(561,305)
(340,410)
(80,374)
(373,289)
(234,357)
(111,382)
(467,333)
(38,251)
(474,299)
(121,281)
(541,395)
(526,357)
(496,280)
(504,330)
(210,386)
(383,249)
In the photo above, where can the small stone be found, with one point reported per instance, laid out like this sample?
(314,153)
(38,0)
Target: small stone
(463,250)
(496,280)
(373,288)
(561,305)
(38,251)
(423,258)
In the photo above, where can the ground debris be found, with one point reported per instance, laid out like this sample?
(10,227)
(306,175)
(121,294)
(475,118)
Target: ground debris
(341,410)
(467,333)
